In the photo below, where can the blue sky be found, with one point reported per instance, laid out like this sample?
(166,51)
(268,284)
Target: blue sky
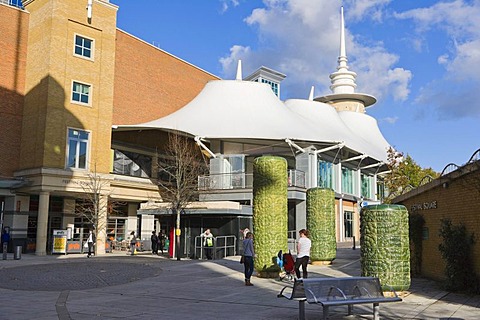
(420,59)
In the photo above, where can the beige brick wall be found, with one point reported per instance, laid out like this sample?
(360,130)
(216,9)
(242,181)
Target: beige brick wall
(457,202)
(51,68)
(13,55)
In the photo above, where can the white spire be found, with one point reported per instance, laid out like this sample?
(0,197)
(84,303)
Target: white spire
(239,70)
(343,80)
(312,90)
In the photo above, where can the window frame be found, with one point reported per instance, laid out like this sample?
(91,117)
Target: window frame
(90,93)
(92,49)
(77,157)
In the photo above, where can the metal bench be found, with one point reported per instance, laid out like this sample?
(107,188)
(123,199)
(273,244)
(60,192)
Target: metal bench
(336,292)
(296,293)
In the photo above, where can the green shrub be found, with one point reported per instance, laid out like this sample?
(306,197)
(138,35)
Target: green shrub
(385,251)
(270,212)
(456,250)
(321,224)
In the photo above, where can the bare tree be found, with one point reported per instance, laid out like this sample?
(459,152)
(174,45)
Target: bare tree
(94,205)
(178,176)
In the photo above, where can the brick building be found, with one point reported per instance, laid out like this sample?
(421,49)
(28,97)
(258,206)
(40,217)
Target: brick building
(454,196)
(68,75)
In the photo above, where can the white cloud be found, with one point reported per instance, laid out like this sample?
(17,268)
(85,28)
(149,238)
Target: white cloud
(451,96)
(226,4)
(359,9)
(390,120)
(301,38)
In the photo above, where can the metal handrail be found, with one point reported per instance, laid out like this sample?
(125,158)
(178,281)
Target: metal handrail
(225,244)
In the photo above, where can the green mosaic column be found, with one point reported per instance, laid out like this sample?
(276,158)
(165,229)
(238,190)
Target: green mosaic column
(385,251)
(270,213)
(321,225)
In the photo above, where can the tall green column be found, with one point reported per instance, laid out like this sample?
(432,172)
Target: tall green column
(385,251)
(321,225)
(270,213)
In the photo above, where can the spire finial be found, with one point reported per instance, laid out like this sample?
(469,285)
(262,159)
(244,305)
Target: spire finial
(343,51)
(312,90)
(343,80)
(239,70)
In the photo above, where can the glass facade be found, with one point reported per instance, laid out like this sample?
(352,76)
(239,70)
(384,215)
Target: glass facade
(348,181)
(326,174)
(132,164)
(367,186)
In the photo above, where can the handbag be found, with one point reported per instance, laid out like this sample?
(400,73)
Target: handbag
(242,259)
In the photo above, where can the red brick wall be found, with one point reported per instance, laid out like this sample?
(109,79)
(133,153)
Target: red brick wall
(457,201)
(149,83)
(13,55)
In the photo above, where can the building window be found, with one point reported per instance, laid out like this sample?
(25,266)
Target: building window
(325,174)
(347,181)
(273,85)
(81,93)
(77,149)
(348,223)
(367,185)
(83,47)
(132,164)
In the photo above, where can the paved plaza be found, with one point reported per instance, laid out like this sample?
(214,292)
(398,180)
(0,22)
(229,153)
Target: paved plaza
(117,286)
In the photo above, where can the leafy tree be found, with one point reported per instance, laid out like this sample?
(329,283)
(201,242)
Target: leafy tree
(404,175)
(178,176)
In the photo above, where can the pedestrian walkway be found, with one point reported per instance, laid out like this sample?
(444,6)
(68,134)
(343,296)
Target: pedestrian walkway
(117,286)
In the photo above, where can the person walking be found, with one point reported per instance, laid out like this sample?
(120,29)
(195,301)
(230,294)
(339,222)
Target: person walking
(161,241)
(155,243)
(303,253)
(90,242)
(248,255)
(208,243)
(133,242)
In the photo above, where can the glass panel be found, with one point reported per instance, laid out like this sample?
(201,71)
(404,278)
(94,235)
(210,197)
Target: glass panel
(72,150)
(83,156)
(347,180)
(348,223)
(78,40)
(84,98)
(325,174)
(132,164)
(367,182)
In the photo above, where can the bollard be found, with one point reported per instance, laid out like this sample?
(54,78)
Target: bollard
(4,251)
(353,243)
(17,253)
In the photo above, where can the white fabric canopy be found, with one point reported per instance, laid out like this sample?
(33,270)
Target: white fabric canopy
(227,109)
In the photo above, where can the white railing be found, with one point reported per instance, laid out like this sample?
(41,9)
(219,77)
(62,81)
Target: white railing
(242,180)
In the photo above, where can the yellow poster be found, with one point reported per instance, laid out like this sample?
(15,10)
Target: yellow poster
(59,241)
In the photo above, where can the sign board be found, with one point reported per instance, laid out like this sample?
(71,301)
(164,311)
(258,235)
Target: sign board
(59,241)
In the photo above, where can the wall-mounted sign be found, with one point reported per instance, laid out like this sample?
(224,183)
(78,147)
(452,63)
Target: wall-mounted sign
(424,206)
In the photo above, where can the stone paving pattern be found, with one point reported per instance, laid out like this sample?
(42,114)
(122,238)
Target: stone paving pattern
(116,286)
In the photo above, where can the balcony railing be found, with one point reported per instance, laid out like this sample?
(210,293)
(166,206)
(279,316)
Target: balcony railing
(242,180)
